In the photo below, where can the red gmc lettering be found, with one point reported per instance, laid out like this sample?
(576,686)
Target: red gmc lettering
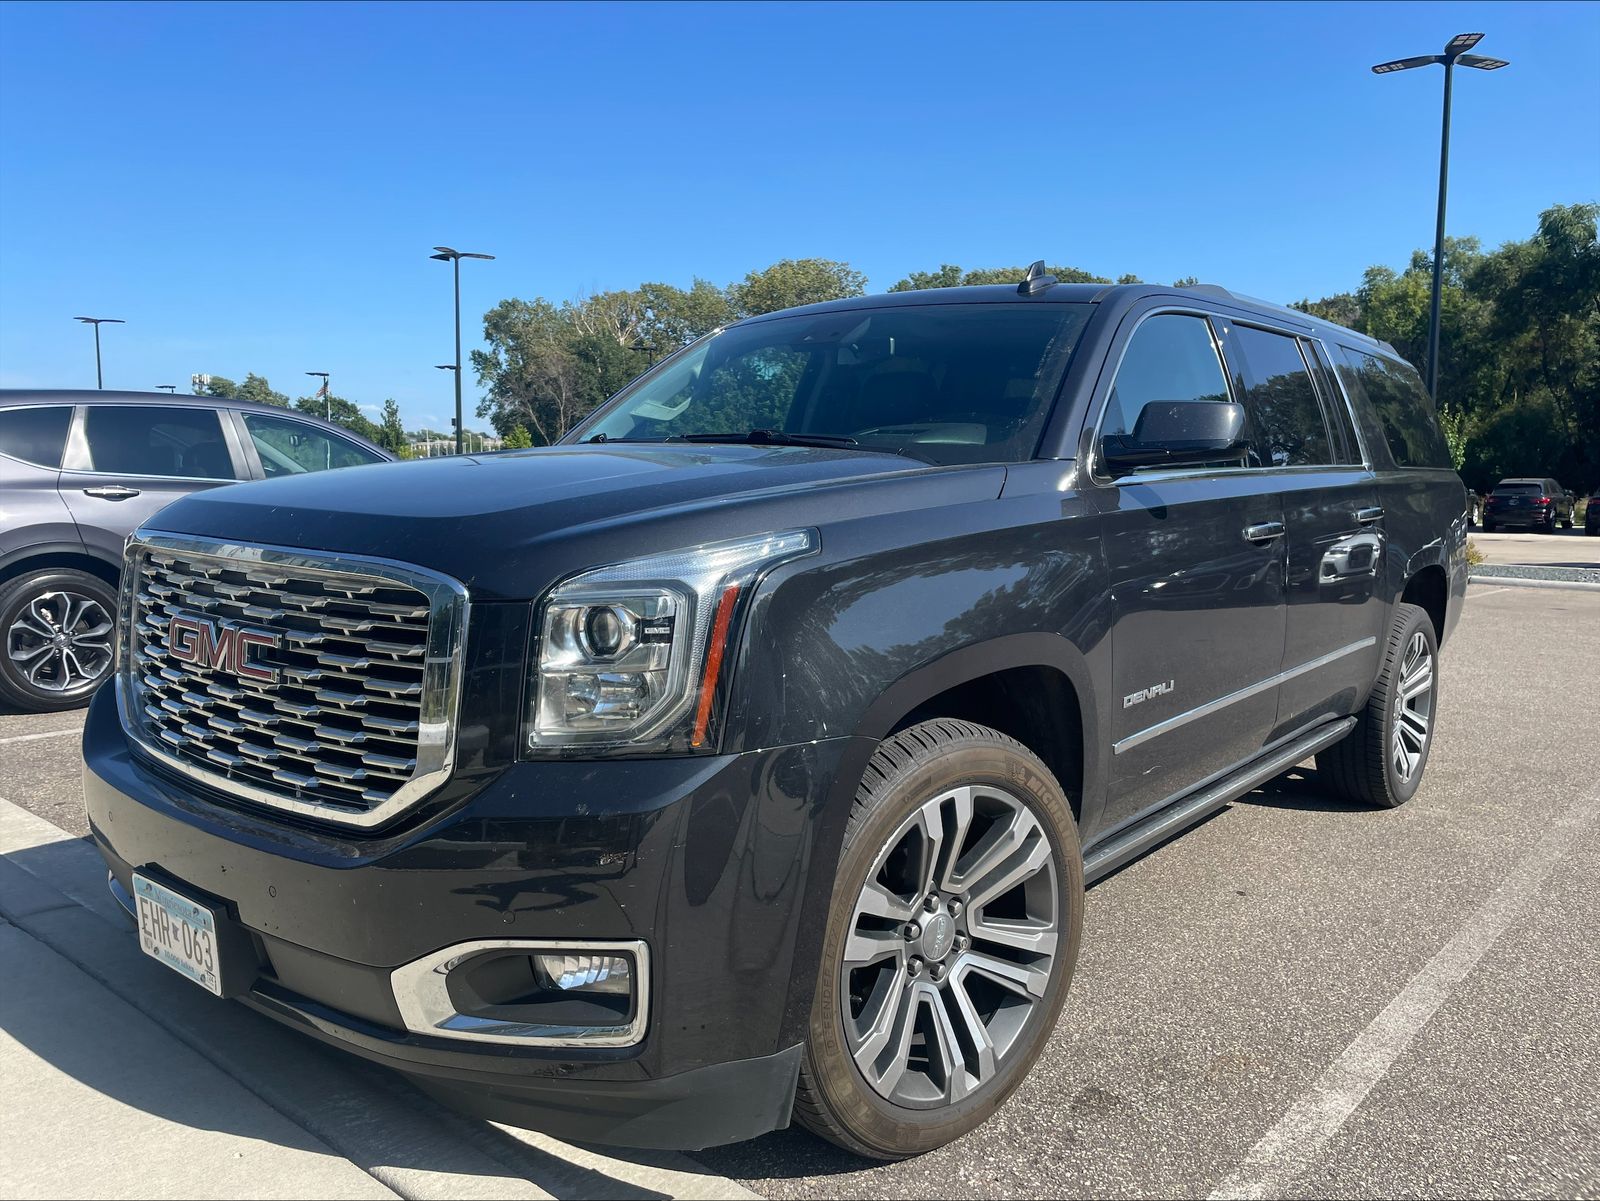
(205,644)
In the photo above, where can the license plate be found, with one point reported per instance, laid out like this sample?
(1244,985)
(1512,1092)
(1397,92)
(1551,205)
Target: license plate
(179,932)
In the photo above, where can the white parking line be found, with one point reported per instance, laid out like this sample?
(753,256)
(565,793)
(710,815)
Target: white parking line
(73,733)
(1485,592)
(1289,1148)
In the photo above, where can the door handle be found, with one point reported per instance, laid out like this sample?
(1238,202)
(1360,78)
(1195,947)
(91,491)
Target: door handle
(111,492)
(1266,531)
(1368,516)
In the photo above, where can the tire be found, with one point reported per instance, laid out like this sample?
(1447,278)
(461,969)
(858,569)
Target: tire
(57,639)
(1488,526)
(1366,765)
(990,798)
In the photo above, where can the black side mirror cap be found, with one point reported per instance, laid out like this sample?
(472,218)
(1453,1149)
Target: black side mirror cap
(1175,433)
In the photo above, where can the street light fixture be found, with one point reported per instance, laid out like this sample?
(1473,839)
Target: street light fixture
(327,395)
(166,387)
(454,257)
(1455,52)
(97,322)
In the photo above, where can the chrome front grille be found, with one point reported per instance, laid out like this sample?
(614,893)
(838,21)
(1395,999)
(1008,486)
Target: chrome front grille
(344,709)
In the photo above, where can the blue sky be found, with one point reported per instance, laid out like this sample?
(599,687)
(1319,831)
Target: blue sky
(256,188)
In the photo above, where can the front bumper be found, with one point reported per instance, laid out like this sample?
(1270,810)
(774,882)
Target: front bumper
(705,860)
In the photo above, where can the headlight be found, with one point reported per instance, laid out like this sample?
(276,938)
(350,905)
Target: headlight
(631,655)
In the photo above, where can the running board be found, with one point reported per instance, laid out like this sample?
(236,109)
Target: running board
(1136,840)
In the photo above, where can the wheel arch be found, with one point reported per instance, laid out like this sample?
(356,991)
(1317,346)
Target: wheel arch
(1033,687)
(1428,587)
(59,554)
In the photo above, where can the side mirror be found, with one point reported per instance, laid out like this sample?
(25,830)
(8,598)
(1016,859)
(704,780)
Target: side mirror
(1173,433)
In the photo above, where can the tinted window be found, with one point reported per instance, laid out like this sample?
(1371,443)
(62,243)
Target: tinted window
(35,435)
(1170,357)
(1282,400)
(156,440)
(1402,413)
(954,383)
(1519,490)
(1346,449)
(292,447)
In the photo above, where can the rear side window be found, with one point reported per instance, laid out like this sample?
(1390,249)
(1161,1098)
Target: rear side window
(35,435)
(1282,400)
(1397,406)
(157,440)
(1171,356)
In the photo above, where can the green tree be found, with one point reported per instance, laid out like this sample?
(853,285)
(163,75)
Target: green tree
(791,282)
(341,412)
(256,388)
(518,439)
(219,386)
(391,432)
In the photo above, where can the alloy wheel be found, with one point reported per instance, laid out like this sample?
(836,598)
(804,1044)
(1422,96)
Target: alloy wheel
(951,946)
(1413,715)
(60,641)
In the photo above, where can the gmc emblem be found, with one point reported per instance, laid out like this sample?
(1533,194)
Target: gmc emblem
(206,643)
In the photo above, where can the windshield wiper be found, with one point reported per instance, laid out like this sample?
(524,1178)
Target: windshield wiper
(768,438)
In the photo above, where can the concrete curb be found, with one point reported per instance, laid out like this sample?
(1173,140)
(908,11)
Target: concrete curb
(52,888)
(1517,581)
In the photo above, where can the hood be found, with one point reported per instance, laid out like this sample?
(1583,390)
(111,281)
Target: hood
(507,524)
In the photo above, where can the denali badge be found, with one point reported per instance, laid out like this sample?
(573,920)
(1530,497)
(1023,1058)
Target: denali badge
(206,643)
(1144,694)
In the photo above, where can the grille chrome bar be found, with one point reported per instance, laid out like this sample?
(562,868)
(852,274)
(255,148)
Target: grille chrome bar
(360,722)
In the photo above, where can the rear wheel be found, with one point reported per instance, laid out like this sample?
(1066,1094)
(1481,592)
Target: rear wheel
(59,629)
(1380,762)
(950,944)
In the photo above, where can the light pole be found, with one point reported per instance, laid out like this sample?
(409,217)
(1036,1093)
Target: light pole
(97,322)
(166,387)
(1455,51)
(454,257)
(327,395)
(452,367)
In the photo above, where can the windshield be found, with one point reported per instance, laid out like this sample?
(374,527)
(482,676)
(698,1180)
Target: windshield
(946,383)
(1519,490)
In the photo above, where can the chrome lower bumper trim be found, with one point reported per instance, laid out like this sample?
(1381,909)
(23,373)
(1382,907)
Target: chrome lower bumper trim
(423,996)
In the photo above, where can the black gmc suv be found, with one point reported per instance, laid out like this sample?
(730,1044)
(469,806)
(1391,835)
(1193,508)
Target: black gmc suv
(744,756)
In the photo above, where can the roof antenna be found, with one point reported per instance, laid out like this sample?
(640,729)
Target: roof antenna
(1036,280)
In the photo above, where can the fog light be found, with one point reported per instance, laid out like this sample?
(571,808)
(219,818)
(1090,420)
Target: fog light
(591,973)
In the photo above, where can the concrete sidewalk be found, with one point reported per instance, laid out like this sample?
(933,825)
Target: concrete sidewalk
(120,1079)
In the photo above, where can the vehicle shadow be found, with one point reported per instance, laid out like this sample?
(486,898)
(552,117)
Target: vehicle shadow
(80,997)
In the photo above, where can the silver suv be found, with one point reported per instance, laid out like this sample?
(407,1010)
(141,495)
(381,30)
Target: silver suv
(79,472)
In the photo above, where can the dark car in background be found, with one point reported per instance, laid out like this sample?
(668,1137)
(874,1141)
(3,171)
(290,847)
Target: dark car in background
(1537,504)
(1591,516)
(79,472)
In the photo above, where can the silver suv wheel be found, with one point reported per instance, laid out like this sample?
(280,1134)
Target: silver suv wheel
(950,950)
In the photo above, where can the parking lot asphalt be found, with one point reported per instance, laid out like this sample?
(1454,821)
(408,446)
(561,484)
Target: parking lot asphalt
(1298,997)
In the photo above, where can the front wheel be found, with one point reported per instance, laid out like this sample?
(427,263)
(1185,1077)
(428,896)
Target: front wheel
(1380,762)
(950,942)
